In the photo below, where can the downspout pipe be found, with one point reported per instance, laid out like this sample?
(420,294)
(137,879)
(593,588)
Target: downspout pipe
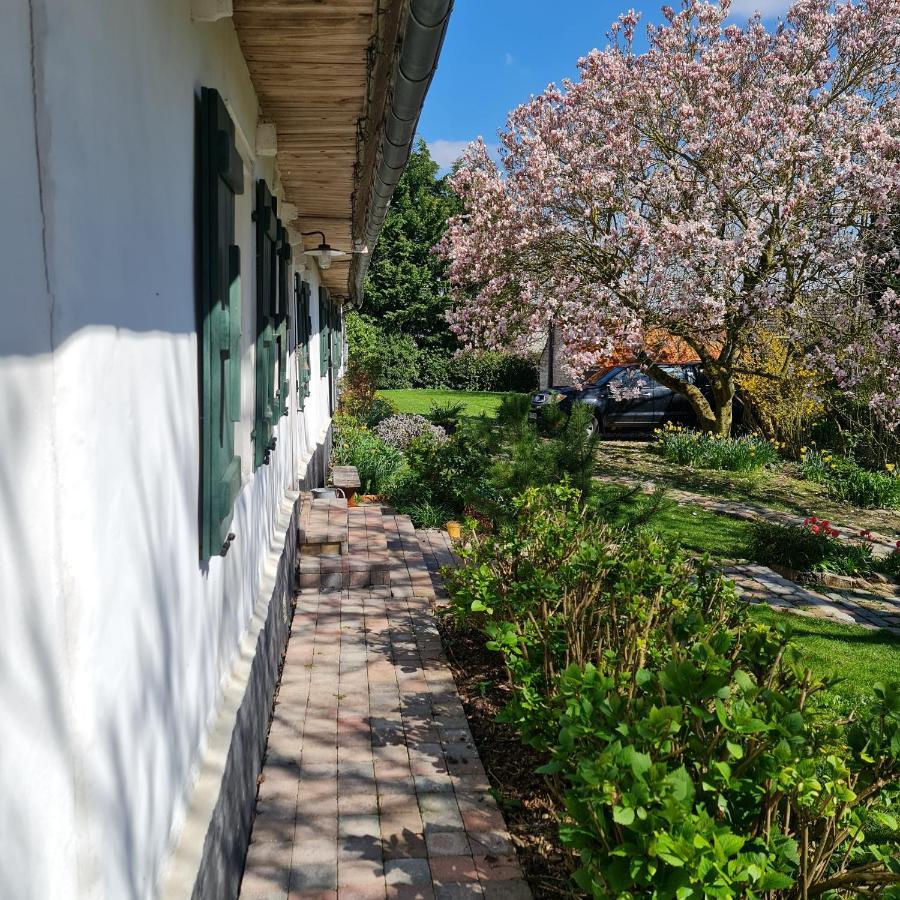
(423,37)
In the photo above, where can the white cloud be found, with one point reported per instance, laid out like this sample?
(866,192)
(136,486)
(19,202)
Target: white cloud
(445,153)
(766,8)
(508,58)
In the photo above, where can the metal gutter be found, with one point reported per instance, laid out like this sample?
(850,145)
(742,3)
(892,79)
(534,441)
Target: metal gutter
(423,37)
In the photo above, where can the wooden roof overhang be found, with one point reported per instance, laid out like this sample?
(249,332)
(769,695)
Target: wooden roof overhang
(322,72)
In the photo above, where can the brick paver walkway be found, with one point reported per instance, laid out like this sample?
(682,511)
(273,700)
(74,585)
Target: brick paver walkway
(372,786)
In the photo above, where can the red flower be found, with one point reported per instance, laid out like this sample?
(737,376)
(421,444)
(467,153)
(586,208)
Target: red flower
(814,529)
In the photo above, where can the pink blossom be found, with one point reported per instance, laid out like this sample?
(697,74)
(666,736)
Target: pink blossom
(721,182)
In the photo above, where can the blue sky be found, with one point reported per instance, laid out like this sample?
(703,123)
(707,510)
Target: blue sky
(498,52)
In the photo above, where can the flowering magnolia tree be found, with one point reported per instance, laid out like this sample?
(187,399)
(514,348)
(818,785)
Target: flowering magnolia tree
(718,184)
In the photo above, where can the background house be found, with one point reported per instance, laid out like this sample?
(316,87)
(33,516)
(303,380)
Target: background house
(169,361)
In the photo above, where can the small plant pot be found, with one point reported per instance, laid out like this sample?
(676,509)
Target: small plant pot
(454,529)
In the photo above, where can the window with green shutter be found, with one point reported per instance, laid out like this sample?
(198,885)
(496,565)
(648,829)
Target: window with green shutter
(324,330)
(267,408)
(303,331)
(219,328)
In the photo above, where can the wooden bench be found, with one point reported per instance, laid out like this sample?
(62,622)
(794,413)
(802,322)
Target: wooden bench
(347,479)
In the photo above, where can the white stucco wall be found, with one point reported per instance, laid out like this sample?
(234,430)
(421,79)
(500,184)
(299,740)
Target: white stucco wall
(115,640)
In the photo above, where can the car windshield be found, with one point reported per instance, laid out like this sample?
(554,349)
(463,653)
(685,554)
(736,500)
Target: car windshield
(602,378)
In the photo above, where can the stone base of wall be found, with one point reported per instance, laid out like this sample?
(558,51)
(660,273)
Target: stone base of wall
(209,860)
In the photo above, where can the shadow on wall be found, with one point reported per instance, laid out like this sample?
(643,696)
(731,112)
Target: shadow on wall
(110,677)
(113,647)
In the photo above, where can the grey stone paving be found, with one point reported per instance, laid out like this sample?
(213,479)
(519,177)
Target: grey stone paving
(759,584)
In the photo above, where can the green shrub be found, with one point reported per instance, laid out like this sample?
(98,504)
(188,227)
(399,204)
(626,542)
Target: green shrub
(436,370)
(852,428)
(390,359)
(425,514)
(812,547)
(707,451)
(363,339)
(378,464)
(846,480)
(679,734)
(449,473)
(890,565)
(379,410)
(446,415)
(398,358)
(526,457)
(396,361)
(487,371)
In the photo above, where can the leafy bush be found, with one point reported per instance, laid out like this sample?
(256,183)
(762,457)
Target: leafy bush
(398,361)
(527,458)
(358,388)
(425,514)
(890,565)
(707,451)
(399,430)
(846,480)
(679,734)
(853,428)
(390,359)
(377,463)
(448,473)
(380,409)
(811,547)
(435,370)
(492,371)
(447,415)
(363,339)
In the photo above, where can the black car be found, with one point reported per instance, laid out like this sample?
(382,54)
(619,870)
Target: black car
(624,397)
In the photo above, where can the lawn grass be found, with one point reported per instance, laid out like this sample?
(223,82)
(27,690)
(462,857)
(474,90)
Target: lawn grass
(697,530)
(418,401)
(859,657)
(778,488)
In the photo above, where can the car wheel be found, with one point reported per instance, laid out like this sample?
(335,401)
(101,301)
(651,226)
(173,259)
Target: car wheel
(593,427)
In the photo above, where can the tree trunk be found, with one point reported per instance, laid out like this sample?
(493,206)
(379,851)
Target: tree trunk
(714,416)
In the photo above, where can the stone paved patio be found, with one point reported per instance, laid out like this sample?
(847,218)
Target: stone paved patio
(372,786)
(759,584)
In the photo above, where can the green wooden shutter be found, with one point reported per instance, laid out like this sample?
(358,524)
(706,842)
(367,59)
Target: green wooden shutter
(219,332)
(266,274)
(282,322)
(324,330)
(303,331)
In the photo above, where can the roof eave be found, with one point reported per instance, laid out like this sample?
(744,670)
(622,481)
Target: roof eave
(398,94)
